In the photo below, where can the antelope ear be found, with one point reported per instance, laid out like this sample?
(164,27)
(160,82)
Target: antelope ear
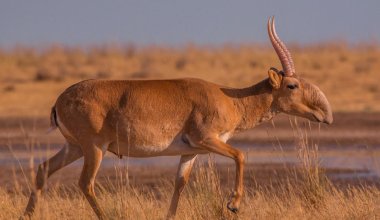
(275,78)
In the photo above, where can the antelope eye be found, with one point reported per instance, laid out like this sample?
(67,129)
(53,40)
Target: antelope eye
(292,86)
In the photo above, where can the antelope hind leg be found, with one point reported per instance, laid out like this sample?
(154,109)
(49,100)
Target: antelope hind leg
(68,154)
(92,159)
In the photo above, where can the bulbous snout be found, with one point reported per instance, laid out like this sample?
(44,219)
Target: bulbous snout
(324,107)
(318,104)
(328,117)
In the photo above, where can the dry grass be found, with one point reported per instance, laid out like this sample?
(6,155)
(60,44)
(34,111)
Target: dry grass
(306,193)
(204,198)
(348,74)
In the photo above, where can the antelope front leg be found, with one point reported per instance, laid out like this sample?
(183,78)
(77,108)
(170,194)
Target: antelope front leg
(216,146)
(183,174)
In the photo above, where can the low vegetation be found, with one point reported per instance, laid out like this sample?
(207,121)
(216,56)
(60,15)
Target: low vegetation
(304,193)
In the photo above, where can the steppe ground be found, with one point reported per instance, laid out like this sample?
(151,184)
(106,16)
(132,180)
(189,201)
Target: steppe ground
(295,170)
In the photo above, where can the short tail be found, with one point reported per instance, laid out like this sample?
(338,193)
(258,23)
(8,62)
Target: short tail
(53,120)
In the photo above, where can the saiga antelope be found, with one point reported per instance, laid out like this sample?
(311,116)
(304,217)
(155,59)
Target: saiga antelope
(149,118)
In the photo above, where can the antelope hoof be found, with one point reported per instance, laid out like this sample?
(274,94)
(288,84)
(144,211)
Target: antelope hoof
(25,217)
(232,208)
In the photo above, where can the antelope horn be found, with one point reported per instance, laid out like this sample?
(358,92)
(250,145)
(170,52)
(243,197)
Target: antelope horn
(281,50)
(287,52)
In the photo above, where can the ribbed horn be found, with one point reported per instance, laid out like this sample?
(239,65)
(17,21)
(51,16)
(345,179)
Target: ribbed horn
(287,52)
(280,48)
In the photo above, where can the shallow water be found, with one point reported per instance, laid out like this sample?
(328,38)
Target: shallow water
(362,162)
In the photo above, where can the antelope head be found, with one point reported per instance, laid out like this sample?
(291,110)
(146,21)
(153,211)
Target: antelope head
(292,94)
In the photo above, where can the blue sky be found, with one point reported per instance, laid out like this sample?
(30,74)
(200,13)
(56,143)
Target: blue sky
(170,22)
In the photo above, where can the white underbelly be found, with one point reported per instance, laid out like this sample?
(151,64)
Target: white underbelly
(170,148)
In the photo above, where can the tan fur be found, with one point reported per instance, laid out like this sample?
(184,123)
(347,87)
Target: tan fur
(169,117)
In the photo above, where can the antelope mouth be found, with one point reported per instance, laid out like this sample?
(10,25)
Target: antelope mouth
(316,118)
(320,119)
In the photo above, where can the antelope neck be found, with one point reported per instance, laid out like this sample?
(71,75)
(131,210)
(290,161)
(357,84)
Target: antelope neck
(255,105)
